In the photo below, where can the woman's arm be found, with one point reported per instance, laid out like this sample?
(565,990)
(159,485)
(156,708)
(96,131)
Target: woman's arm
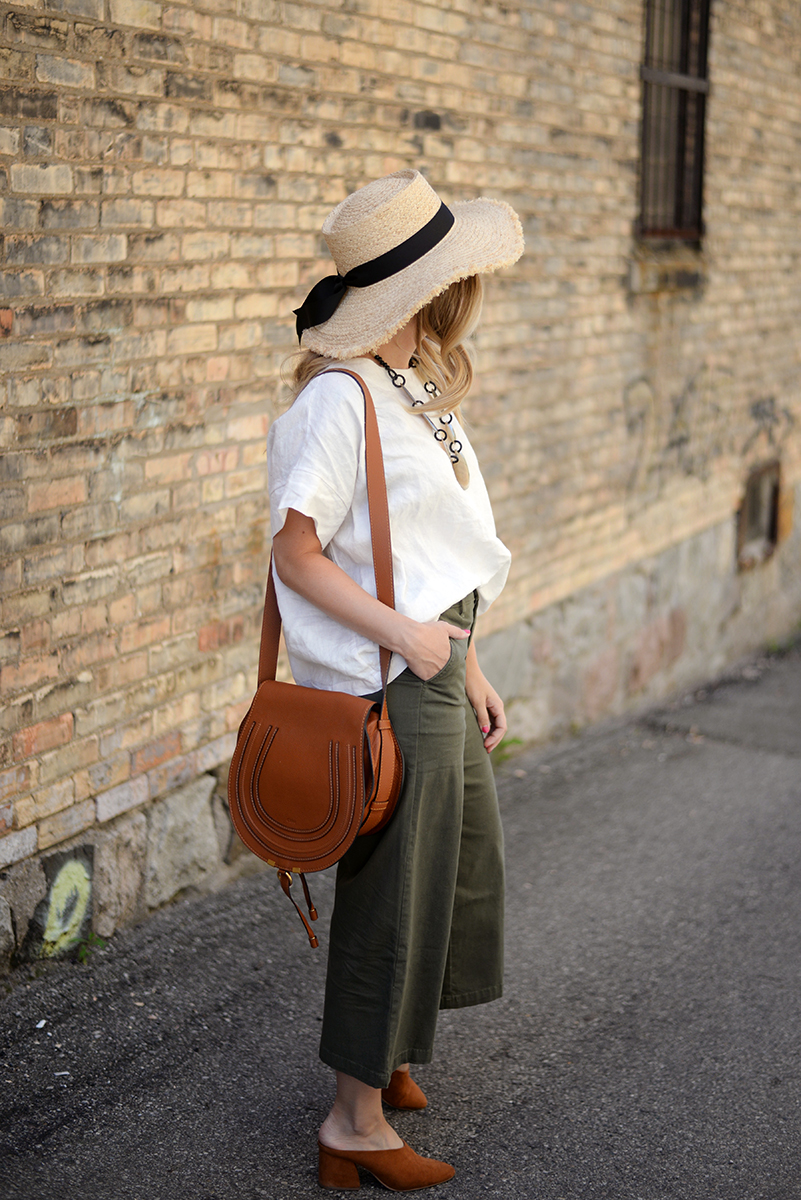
(486,702)
(302,566)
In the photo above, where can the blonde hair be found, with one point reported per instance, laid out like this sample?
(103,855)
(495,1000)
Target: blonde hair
(444,325)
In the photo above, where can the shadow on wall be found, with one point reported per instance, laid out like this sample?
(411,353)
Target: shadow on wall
(671,621)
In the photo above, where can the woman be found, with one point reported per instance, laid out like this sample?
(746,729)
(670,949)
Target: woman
(417,921)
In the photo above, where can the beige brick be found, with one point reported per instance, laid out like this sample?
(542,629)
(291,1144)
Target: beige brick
(211,308)
(186,279)
(158,181)
(126,734)
(29,606)
(238,483)
(41,179)
(127,212)
(35,636)
(230,213)
(213,490)
(28,672)
(38,31)
(79,754)
(59,493)
(192,339)
(205,246)
(255,67)
(257,304)
(166,118)
(180,214)
(213,461)
(143,14)
(15,284)
(9,140)
(14,781)
(145,506)
(122,798)
(100,248)
(232,275)
(65,72)
(181,153)
(111,770)
(188,20)
(15,65)
(218,367)
(85,588)
(120,672)
(211,184)
(75,283)
(232,33)
(178,712)
(253,455)
(66,824)
(45,802)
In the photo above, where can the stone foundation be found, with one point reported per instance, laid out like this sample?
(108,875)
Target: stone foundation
(181,844)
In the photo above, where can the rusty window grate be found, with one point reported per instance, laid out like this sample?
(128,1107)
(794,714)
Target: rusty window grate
(675,87)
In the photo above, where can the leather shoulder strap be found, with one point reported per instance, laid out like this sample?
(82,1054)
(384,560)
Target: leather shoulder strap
(379,533)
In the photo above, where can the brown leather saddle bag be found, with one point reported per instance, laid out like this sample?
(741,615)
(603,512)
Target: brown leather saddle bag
(313,769)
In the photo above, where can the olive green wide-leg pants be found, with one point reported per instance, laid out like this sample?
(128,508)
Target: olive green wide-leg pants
(418,914)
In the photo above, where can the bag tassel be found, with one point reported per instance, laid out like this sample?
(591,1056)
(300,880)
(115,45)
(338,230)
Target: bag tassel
(285,878)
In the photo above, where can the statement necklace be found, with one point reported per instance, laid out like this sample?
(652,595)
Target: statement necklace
(443,432)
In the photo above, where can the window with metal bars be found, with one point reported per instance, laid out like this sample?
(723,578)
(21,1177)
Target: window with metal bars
(675,87)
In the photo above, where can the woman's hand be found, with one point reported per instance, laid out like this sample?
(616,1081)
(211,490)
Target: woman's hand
(486,702)
(429,646)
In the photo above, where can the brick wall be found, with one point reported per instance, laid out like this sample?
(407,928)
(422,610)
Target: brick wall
(164,171)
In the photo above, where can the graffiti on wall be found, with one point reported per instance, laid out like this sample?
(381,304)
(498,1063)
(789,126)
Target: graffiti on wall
(687,431)
(684,435)
(771,425)
(63,918)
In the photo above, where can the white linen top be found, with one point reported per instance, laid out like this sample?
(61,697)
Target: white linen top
(444,544)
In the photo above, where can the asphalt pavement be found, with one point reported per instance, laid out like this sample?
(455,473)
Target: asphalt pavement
(647,1046)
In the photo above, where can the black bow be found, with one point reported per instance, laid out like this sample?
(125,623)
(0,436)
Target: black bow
(321,303)
(324,298)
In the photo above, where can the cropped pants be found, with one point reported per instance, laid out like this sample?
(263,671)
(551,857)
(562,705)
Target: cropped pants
(418,913)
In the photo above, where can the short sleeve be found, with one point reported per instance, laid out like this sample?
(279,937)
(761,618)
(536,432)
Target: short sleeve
(313,454)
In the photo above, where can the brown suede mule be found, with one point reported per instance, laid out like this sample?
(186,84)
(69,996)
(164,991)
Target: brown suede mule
(403,1092)
(399,1170)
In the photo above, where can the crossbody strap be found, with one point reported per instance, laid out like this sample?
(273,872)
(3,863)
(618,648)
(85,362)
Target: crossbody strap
(379,534)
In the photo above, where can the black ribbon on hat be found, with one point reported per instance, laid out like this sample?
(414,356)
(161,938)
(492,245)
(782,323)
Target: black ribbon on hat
(324,298)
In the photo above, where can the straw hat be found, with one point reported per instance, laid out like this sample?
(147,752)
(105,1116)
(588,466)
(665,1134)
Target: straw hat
(396,246)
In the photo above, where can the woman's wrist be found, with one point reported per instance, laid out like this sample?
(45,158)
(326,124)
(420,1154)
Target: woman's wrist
(402,632)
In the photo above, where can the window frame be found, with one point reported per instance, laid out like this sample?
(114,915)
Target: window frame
(654,154)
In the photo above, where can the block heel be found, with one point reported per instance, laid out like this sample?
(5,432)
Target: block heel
(336,1172)
(399,1170)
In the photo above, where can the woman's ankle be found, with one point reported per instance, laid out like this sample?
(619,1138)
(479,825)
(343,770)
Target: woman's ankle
(356,1120)
(343,1130)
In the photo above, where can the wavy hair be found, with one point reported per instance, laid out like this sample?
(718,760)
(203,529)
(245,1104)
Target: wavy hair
(444,325)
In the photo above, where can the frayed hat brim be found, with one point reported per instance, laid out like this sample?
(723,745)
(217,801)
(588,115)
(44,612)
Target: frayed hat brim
(486,235)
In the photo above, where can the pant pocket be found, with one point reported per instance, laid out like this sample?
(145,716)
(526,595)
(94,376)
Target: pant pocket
(446,666)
